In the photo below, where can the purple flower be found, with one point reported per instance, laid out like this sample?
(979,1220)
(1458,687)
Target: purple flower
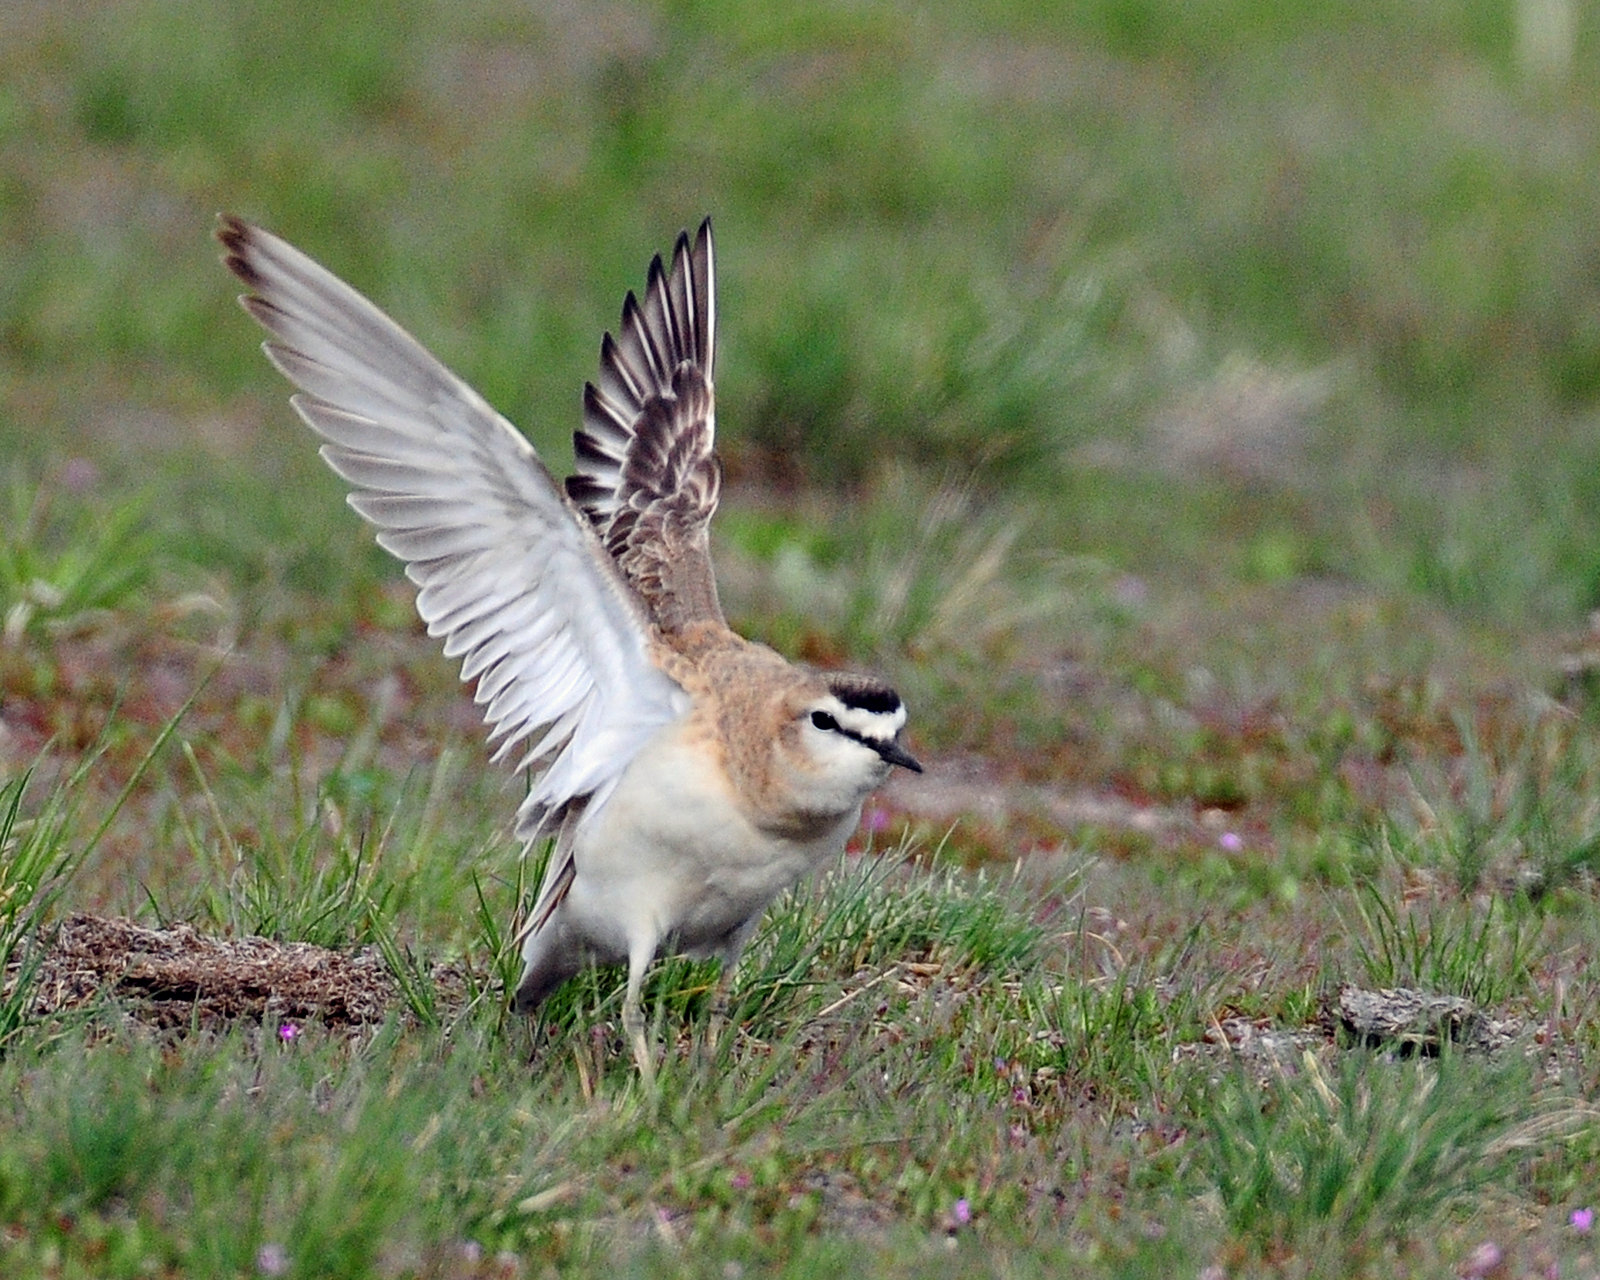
(272,1260)
(962,1212)
(79,475)
(1130,591)
(1582,1221)
(876,818)
(288,1031)
(740,1181)
(1483,1260)
(1231,841)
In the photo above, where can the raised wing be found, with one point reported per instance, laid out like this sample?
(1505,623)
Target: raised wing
(509,573)
(648,476)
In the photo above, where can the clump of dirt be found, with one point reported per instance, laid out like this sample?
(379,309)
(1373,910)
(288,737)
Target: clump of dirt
(1420,1021)
(178,977)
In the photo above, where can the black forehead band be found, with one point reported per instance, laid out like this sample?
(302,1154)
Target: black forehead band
(864,696)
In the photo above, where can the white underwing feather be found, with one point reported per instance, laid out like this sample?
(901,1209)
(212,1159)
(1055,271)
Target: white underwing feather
(510,576)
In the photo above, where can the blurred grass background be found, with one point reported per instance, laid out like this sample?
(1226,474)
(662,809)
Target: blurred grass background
(1192,406)
(1264,290)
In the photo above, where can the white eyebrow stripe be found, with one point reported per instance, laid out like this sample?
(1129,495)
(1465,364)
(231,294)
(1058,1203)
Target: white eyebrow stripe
(881,726)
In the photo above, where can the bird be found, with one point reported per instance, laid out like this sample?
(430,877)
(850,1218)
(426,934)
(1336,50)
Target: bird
(686,775)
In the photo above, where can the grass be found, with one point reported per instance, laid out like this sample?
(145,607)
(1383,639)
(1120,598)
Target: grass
(54,575)
(1382,1150)
(1190,407)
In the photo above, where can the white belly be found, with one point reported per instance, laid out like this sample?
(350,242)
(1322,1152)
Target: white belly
(673,855)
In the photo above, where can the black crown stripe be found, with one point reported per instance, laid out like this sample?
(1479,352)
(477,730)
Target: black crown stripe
(876,698)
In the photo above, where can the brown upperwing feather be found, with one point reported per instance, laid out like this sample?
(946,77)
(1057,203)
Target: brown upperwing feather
(668,489)
(647,473)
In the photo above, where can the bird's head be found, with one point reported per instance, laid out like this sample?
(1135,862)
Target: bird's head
(849,735)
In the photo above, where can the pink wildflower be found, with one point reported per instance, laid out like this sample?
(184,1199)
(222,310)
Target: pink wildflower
(1484,1261)
(79,475)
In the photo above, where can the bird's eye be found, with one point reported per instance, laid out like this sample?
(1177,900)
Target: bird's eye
(823,720)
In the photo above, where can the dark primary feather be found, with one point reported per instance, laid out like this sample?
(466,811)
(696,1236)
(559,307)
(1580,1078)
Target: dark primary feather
(647,473)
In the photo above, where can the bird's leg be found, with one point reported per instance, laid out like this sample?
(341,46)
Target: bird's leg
(633,1014)
(719,1006)
(728,958)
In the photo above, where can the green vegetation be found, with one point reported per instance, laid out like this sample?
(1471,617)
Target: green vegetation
(1192,407)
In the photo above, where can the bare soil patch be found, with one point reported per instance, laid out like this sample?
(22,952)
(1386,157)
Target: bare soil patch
(178,977)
